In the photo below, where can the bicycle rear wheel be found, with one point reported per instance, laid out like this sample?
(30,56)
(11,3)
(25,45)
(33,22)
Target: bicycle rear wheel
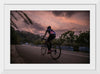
(55,52)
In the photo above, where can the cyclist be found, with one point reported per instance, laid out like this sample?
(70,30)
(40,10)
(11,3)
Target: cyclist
(52,35)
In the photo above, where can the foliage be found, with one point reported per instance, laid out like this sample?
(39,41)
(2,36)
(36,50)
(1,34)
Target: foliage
(14,37)
(70,39)
(84,39)
(20,37)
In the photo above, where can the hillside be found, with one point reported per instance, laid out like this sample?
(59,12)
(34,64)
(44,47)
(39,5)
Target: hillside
(20,37)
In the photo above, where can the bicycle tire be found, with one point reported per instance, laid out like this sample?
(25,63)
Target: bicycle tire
(53,51)
(43,50)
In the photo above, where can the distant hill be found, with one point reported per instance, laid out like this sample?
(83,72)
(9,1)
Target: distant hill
(20,37)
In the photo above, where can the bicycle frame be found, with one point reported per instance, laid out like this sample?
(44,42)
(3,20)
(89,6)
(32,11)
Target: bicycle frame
(54,51)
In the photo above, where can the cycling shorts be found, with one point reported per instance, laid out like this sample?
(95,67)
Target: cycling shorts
(51,37)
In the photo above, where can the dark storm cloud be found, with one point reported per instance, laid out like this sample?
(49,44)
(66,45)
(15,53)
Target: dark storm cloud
(26,20)
(62,30)
(69,13)
(64,13)
(37,26)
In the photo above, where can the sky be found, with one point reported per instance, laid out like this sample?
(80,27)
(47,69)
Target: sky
(60,21)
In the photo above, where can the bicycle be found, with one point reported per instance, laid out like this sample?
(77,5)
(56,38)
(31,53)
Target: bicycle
(55,50)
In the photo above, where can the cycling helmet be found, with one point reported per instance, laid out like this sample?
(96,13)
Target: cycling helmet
(49,27)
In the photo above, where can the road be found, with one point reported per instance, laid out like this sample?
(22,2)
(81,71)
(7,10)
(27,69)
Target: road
(32,54)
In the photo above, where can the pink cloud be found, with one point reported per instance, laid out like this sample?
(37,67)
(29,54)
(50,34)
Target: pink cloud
(77,22)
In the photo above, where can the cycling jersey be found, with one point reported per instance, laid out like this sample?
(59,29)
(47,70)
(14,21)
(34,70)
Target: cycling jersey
(50,31)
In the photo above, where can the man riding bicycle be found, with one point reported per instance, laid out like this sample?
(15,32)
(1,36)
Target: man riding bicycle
(52,35)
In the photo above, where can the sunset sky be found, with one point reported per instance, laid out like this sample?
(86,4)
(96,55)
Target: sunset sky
(60,21)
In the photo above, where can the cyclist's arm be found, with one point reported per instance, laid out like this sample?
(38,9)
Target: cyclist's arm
(45,34)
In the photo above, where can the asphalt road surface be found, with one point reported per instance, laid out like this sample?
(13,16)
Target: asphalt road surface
(32,54)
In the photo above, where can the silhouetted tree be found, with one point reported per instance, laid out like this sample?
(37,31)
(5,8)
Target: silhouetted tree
(84,39)
(69,38)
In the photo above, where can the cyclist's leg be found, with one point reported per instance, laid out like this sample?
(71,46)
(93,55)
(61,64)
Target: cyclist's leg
(51,37)
(49,44)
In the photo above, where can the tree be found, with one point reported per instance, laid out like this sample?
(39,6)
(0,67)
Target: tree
(68,38)
(14,37)
(84,39)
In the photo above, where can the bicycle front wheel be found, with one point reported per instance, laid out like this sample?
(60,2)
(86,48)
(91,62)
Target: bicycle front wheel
(43,50)
(55,52)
